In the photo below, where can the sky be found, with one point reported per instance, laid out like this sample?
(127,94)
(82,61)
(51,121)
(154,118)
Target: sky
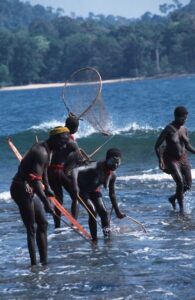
(124,8)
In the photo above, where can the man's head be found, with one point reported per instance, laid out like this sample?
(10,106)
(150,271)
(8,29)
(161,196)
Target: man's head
(180,114)
(72,123)
(58,137)
(113,158)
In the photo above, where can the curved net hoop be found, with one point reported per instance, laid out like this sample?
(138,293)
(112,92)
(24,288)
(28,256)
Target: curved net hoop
(82,96)
(98,117)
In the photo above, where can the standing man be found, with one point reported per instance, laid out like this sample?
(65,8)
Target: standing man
(86,182)
(72,123)
(30,191)
(57,172)
(173,158)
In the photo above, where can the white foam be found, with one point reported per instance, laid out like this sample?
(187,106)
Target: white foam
(5,196)
(47,125)
(132,127)
(146,177)
(85,129)
(149,176)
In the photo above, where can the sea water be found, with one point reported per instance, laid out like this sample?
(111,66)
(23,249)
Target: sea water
(134,265)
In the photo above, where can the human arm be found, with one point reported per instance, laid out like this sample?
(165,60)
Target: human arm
(38,176)
(75,186)
(113,198)
(72,157)
(158,148)
(81,156)
(188,145)
(47,189)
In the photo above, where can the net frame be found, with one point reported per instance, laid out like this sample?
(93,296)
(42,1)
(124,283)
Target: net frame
(70,82)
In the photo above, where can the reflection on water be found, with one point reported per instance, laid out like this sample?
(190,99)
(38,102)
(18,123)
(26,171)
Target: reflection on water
(131,265)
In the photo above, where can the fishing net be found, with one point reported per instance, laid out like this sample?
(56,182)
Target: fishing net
(82,96)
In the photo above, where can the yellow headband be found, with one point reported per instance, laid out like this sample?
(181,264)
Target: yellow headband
(58,130)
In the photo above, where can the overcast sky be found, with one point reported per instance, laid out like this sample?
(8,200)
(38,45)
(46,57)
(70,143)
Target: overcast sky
(125,8)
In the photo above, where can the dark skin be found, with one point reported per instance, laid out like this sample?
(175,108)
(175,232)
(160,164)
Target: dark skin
(86,183)
(30,190)
(59,180)
(174,158)
(57,172)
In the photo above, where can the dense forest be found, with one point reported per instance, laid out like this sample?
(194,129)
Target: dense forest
(39,44)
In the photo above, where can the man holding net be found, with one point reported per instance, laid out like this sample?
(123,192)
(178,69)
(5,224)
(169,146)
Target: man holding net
(86,181)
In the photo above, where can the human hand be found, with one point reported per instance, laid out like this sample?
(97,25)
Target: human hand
(120,215)
(161,165)
(75,193)
(49,192)
(84,162)
(29,190)
(48,207)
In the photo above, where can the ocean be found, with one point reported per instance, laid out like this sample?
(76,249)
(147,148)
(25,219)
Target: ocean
(157,265)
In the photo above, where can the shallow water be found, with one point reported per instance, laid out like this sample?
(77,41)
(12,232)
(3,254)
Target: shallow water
(157,265)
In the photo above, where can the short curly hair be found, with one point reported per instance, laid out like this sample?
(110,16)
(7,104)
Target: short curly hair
(180,111)
(113,152)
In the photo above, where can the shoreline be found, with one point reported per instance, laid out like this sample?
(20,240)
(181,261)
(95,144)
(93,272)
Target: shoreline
(54,85)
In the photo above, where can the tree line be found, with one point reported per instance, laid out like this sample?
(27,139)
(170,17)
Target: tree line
(39,44)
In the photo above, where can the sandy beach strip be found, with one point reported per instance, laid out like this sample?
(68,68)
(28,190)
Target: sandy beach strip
(31,86)
(54,85)
(61,84)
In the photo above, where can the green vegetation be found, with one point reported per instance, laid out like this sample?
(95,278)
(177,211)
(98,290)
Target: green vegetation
(39,44)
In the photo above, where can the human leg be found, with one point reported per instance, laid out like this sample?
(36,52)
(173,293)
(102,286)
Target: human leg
(57,216)
(41,232)
(178,178)
(172,199)
(26,207)
(187,175)
(98,202)
(89,206)
(67,184)
(55,184)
